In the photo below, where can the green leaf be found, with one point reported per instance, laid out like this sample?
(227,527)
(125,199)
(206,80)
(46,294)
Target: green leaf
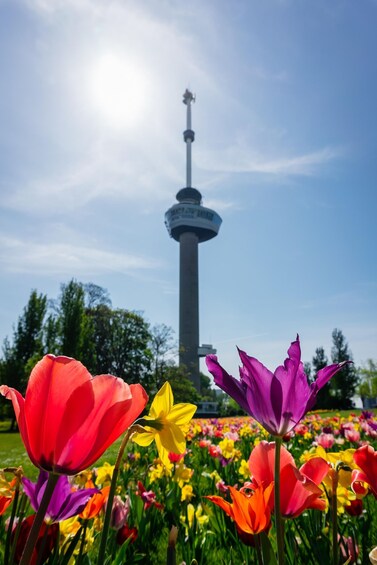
(268,553)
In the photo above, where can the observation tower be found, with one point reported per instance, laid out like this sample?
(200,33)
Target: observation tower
(190,223)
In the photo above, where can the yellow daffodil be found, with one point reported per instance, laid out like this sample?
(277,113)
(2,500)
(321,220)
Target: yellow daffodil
(69,527)
(158,471)
(194,515)
(244,469)
(227,448)
(187,493)
(246,431)
(6,487)
(215,476)
(182,474)
(166,424)
(104,474)
(84,479)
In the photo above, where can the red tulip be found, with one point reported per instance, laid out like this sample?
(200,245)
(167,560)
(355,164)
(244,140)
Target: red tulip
(5,501)
(301,490)
(69,418)
(354,507)
(46,541)
(366,458)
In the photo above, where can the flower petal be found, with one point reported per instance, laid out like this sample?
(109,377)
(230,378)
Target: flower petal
(262,462)
(162,402)
(144,438)
(181,414)
(172,438)
(227,383)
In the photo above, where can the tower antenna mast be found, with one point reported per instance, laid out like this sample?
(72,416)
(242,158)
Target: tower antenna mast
(188,135)
(190,223)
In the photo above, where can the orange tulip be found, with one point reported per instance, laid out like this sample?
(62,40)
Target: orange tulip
(69,418)
(95,504)
(251,513)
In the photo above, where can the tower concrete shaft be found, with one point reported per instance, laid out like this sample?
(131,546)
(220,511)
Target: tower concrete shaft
(190,223)
(189,305)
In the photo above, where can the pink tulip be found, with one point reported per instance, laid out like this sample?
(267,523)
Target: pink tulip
(352,435)
(326,440)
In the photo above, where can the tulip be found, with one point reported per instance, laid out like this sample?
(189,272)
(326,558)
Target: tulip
(147,496)
(64,502)
(46,541)
(125,533)
(326,440)
(119,512)
(366,458)
(301,486)
(95,504)
(278,401)
(251,514)
(68,418)
(7,492)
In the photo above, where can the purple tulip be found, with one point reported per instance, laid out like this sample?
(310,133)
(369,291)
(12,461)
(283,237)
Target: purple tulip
(64,502)
(277,400)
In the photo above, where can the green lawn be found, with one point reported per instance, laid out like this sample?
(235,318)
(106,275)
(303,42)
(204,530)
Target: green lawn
(13,454)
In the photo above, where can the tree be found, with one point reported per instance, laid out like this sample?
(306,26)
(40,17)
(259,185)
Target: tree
(367,388)
(27,347)
(183,389)
(344,383)
(96,296)
(206,391)
(324,396)
(162,345)
(75,327)
(121,341)
(308,371)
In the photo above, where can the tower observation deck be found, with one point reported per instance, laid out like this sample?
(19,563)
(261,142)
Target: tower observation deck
(190,223)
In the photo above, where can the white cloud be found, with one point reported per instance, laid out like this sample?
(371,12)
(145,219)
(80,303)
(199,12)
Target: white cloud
(48,8)
(49,258)
(221,205)
(241,159)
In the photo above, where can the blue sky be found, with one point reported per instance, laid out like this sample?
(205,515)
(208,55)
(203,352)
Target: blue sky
(92,155)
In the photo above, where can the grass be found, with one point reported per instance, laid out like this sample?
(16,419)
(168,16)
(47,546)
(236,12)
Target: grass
(341,413)
(13,454)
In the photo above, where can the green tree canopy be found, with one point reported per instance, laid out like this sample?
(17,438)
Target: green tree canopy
(324,396)
(27,346)
(368,377)
(344,383)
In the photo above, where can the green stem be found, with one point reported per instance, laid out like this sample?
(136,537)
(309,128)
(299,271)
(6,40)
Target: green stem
(334,517)
(11,522)
(109,504)
(21,515)
(278,516)
(258,549)
(83,540)
(39,517)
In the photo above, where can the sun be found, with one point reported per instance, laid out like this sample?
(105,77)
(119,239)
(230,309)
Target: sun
(118,88)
